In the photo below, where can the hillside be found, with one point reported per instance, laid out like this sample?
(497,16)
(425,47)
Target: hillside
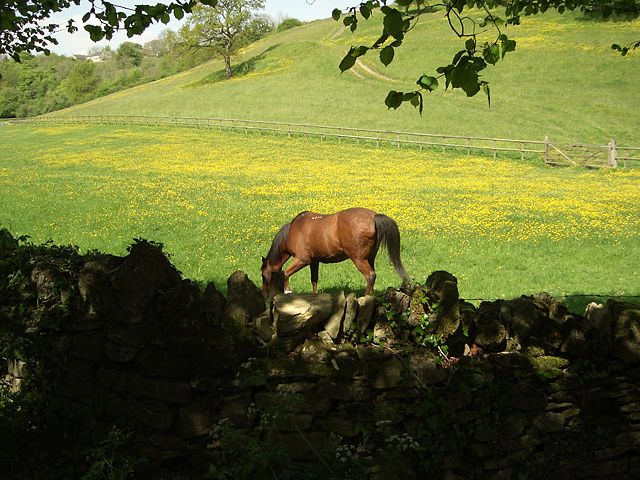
(563,81)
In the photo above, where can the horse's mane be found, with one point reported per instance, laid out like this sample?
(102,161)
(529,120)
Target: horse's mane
(274,252)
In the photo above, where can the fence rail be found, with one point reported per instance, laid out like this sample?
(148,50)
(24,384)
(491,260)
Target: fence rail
(552,154)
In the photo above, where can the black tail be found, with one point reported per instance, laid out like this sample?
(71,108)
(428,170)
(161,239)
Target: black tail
(388,234)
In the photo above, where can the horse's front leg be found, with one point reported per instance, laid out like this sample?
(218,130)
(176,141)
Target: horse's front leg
(315,267)
(291,269)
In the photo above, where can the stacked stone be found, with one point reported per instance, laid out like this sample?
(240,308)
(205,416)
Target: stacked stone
(525,388)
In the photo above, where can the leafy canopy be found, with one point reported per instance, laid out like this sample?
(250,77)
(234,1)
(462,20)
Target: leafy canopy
(24,27)
(484,40)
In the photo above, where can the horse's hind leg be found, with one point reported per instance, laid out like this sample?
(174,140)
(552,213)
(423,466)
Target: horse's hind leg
(367,271)
(315,267)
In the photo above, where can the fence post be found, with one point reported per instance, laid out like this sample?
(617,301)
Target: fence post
(613,154)
(546,149)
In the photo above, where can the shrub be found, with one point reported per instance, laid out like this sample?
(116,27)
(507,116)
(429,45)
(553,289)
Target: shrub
(288,23)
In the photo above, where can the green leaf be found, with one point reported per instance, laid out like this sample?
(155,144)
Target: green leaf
(465,77)
(485,89)
(458,56)
(394,23)
(359,51)
(470,44)
(348,61)
(428,83)
(459,5)
(394,99)
(386,55)
(404,3)
(416,101)
(381,40)
(95,32)
(506,45)
(336,14)
(178,13)
(365,11)
(491,53)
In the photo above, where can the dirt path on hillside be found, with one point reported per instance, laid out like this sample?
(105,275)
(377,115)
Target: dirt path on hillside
(366,70)
(373,73)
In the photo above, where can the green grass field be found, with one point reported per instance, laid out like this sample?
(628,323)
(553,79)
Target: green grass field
(563,81)
(216,200)
(503,227)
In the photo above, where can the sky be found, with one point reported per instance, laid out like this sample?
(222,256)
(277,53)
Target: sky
(80,42)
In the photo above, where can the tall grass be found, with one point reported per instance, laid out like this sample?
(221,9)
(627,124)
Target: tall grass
(216,200)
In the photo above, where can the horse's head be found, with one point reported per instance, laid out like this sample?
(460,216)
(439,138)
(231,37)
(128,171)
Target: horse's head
(272,279)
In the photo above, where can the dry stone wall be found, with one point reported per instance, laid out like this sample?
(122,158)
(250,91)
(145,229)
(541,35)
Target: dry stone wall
(408,384)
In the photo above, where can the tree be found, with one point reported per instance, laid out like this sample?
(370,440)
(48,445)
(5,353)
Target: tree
(222,29)
(129,54)
(480,49)
(260,25)
(288,23)
(81,82)
(23,26)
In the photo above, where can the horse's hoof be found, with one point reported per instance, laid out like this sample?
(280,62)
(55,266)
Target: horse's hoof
(286,292)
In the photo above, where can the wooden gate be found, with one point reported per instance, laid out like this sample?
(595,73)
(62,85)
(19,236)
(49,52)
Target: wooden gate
(580,154)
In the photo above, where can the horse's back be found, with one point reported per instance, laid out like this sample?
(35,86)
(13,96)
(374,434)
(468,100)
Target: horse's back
(333,237)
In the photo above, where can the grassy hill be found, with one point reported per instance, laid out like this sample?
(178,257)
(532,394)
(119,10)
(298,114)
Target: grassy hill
(563,81)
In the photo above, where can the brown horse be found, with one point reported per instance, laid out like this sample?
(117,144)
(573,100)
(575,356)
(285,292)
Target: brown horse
(311,238)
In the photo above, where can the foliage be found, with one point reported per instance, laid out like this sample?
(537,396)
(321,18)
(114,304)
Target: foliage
(224,29)
(242,455)
(259,26)
(109,459)
(485,40)
(23,26)
(40,432)
(288,23)
(42,84)
(81,81)
(129,54)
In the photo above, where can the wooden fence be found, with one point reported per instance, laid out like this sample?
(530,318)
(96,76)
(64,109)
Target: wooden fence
(610,155)
(553,154)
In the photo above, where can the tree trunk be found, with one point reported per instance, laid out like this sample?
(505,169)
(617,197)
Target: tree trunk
(227,65)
